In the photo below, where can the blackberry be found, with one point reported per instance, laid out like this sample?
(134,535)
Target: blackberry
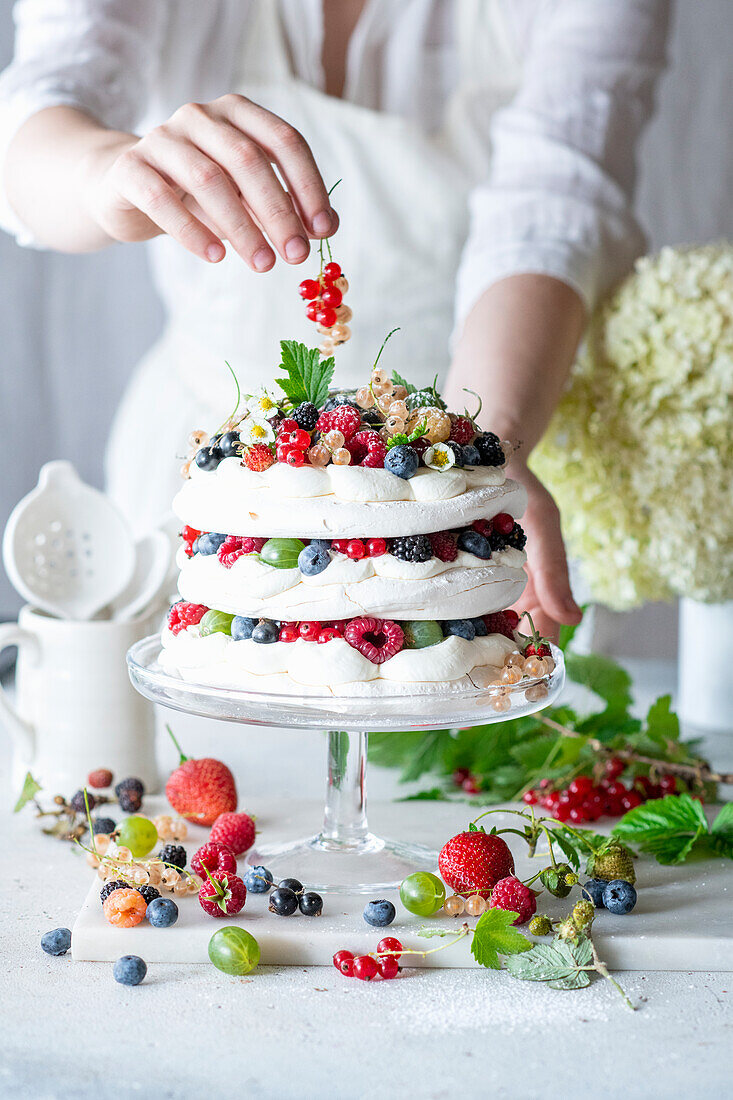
(110,887)
(148,892)
(372,416)
(305,416)
(517,538)
(77,802)
(173,854)
(457,451)
(489,448)
(339,399)
(130,794)
(411,548)
(497,541)
(103,825)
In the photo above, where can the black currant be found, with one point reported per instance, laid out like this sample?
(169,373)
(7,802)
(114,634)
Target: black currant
(283,902)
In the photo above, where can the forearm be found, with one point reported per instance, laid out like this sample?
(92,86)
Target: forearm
(46,175)
(515,352)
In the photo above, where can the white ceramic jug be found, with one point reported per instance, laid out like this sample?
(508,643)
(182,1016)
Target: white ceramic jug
(74,707)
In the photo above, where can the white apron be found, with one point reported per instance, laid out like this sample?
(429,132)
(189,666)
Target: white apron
(403,205)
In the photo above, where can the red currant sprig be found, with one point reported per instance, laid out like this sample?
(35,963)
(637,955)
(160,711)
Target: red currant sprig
(326,306)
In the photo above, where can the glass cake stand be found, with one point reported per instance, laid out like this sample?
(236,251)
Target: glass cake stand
(345,857)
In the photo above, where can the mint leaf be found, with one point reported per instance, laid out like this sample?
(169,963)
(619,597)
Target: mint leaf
(560,963)
(494,936)
(28,793)
(309,376)
(667,827)
(604,677)
(398,380)
(721,832)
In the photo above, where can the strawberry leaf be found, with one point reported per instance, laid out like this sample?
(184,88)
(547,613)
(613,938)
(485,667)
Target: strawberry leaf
(604,677)
(667,828)
(560,963)
(28,793)
(662,724)
(721,832)
(494,936)
(309,376)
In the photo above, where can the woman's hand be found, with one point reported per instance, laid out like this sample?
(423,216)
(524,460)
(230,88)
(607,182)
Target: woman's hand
(547,597)
(206,176)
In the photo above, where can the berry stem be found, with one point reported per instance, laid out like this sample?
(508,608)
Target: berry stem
(602,969)
(184,758)
(384,344)
(239,398)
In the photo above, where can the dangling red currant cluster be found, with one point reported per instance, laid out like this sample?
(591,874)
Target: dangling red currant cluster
(325,297)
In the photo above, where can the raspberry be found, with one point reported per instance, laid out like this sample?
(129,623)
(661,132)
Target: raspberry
(213,856)
(237,831)
(100,777)
(512,895)
(540,926)
(344,418)
(444,546)
(367,449)
(258,458)
(222,895)
(462,430)
(375,639)
(484,527)
(125,908)
(235,546)
(411,548)
(183,615)
(498,623)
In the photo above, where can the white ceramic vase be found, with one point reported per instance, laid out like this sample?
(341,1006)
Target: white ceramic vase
(705,677)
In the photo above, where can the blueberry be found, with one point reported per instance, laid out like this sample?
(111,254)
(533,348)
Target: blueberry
(311,904)
(313,560)
(162,912)
(258,880)
(283,902)
(479,627)
(208,458)
(56,942)
(103,825)
(293,884)
(322,544)
(462,628)
(129,970)
(379,913)
(619,897)
(242,628)
(195,546)
(402,461)
(210,542)
(457,451)
(265,632)
(474,543)
(593,889)
(228,445)
(471,457)
(340,399)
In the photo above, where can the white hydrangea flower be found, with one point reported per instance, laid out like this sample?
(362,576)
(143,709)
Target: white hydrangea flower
(639,454)
(262,404)
(255,429)
(439,457)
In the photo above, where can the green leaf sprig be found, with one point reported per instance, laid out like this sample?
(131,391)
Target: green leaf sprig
(308,375)
(671,828)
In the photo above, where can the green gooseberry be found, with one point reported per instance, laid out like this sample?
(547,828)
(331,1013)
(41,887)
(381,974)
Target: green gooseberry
(233,950)
(138,834)
(422,893)
(421,633)
(282,553)
(215,622)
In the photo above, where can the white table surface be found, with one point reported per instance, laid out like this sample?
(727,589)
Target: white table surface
(67,1029)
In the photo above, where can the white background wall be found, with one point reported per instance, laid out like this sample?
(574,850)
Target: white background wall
(72,327)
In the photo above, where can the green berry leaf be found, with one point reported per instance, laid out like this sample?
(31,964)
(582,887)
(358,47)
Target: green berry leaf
(569,846)
(667,828)
(28,793)
(494,936)
(398,380)
(662,724)
(560,963)
(309,376)
(721,832)
(604,677)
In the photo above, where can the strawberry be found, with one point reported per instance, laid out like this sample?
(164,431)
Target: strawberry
(222,895)
(237,831)
(473,862)
(200,790)
(213,856)
(536,646)
(511,894)
(259,457)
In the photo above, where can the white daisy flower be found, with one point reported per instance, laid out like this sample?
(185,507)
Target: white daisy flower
(255,429)
(439,457)
(262,404)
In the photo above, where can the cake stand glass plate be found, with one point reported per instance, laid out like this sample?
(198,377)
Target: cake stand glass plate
(345,857)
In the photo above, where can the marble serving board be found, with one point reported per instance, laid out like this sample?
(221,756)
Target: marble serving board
(683,919)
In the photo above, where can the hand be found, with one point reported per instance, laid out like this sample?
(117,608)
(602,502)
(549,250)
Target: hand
(205,176)
(547,597)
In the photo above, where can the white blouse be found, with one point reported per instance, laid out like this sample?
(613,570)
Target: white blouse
(558,196)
